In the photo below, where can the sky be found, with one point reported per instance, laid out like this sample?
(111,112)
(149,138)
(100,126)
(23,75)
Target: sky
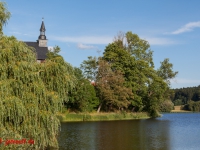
(84,28)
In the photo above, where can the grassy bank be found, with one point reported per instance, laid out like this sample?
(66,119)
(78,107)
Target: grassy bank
(179,109)
(70,117)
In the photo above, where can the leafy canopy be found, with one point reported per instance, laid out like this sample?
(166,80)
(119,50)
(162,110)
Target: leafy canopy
(134,58)
(83,96)
(31,93)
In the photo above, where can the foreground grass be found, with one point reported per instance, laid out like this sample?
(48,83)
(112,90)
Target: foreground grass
(70,117)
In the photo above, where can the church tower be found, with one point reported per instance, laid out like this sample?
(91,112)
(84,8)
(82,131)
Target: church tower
(40,45)
(42,41)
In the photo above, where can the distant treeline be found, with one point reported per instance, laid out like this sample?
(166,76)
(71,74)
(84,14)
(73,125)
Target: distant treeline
(189,96)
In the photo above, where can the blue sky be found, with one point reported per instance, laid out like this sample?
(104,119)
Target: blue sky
(84,28)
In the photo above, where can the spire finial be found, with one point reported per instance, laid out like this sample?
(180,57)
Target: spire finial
(42,18)
(42,31)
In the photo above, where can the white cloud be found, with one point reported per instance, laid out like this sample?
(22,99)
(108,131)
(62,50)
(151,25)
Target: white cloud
(50,48)
(20,34)
(185,81)
(15,33)
(85,39)
(105,40)
(159,41)
(84,46)
(188,27)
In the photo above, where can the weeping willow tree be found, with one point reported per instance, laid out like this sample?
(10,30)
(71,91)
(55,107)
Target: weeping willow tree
(31,94)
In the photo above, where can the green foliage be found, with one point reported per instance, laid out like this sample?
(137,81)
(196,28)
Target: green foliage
(90,68)
(135,61)
(154,113)
(166,106)
(103,116)
(184,95)
(139,48)
(120,59)
(155,95)
(31,94)
(58,75)
(165,71)
(53,53)
(194,106)
(178,102)
(126,78)
(110,86)
(4,16)
(82,97)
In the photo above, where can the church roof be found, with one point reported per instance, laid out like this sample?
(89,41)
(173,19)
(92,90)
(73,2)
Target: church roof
(41,51)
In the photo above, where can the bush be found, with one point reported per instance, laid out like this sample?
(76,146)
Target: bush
(166,106)
(194,106)
(178,102)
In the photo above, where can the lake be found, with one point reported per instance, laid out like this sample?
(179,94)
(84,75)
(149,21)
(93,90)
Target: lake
(172,131)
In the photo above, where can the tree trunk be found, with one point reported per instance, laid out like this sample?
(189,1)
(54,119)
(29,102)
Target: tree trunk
(133,109)
(99,108)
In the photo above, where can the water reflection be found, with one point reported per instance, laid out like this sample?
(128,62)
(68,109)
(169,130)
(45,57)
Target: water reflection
(75,136)
(170,132)
(154,134)
(150,134)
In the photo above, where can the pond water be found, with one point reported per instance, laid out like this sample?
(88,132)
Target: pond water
(173,131)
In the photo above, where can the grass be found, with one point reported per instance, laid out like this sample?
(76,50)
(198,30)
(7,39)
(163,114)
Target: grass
(178,109)
(70,117)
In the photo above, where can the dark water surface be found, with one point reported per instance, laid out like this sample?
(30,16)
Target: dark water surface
(174,131)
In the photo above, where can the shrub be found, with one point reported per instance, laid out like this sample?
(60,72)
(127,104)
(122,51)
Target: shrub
(166,106)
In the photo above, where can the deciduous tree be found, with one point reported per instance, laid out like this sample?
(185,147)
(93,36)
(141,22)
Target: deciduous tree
(111,88)
(83,96)
(134,59)
(31,93)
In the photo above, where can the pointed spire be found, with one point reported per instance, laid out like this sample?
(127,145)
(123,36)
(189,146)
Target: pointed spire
(42,40)
(42,31)
(42,28)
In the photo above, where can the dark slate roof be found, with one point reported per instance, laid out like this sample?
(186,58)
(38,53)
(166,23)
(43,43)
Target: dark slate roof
(41,51)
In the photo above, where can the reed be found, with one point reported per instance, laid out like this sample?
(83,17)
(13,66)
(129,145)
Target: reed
(70,117)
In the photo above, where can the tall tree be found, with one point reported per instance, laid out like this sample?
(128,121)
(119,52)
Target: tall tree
(111,89)
(134,70)
(134,59)
(31,93)
(156,88)
(166,73)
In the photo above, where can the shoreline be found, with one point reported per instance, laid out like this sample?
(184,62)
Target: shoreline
(82,117)
(181,111)
(178,109)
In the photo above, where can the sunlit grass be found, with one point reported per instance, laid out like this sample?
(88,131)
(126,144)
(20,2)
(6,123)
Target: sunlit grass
(67,117)
(178,109)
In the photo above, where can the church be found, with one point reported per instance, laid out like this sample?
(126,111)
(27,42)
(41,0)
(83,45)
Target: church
(40,45)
